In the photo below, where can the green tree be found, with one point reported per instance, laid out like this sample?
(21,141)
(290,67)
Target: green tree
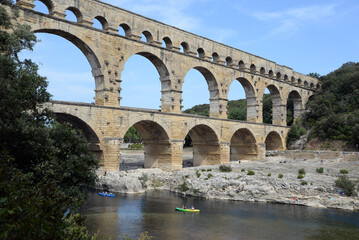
(44,164)
(132,135)
(267,109)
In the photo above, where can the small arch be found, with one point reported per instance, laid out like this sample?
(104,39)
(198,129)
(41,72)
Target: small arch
(206,148)
(279,75)
(168,43)
(184,47)
(243,146)
(299,81)
(317,86)
(262,70)
(200,53)
(147,36)
(270,73)
(294,107)
(229,61)
(312,85)
(215,57)
(123,27)
(253,68)
(241,65)
(305,84)
(76,12)
(286,78)
(45,6)
(103,22)
(272,106)
(273,141)
(292,80)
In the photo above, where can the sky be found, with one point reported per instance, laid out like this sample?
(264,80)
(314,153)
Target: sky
(306,35)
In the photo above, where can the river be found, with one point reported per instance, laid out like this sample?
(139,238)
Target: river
(154,212)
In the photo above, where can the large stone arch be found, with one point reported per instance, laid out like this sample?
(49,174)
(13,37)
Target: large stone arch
(273,141)
(87,132)
(215,109)
(297,103)
(243,146)
(88,52)
(157,146)
(206,147)
(277,105)
(251,98)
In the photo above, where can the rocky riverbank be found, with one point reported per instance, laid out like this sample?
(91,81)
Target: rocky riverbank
(314,189)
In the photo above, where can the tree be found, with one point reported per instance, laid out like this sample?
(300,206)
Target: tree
(44,164)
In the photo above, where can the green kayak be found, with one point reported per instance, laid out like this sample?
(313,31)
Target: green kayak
(186,210)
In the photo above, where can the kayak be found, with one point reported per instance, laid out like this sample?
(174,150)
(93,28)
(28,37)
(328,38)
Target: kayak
(106,194)
(186,210)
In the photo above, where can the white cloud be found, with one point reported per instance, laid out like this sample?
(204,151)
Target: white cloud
(291,21)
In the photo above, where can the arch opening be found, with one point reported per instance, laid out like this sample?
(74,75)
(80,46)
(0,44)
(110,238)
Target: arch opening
(142,88)
(200,53)
(167,43)
(100,23)
(294,107)
(154,140)
(196,92)
(253,68)
(86,132)
(43,6)
(73,14)
(206,148)
(243,146)
(184,47)
(279,76)
(286,79)
(229,61)
(292,80)
(273,141)
(67,76)
(146,36)
(244,108)
(305,84)
(215,57)
(272,106)
(241,65)
(270,73)
(124,30)
(299,81)
(262,70)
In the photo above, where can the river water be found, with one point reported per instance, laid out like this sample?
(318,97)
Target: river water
(219,219)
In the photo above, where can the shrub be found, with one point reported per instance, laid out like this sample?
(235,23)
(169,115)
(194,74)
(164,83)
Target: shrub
(300,176)
(143,179)
(184,187)
(225,168)
(198,174)
(280,175)
(203,170)
(304,183)
(136,146)
(269,174)
(208,176)
(250,172)
(243,170)
(345,184)
(344,171)
(157,183)
(320,170)
(301,171)
(209,170)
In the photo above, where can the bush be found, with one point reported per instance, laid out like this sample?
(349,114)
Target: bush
(320,170)
(345,184)
(301,171)
(225,168)
(209,170)
(344,171)
(208,176)
(250,172)
(198,174)
(280,175)
(243,170)
(136,146)
(304,183)
(184,187)
(300,176)
(295,132)
(269,174)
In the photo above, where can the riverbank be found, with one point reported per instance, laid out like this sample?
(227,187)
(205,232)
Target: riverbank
(264,186)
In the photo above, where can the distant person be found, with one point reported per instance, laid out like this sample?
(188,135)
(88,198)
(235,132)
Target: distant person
(184,207)
(192,208)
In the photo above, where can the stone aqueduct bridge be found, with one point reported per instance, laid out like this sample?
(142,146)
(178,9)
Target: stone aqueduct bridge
(216,139)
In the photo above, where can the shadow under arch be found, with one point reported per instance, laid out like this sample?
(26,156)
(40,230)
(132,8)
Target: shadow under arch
(276,100)
(85,49)
(273,141)
(87,132)
(206,148)
(157,147)
(251,98)
(294,104)
(243,145)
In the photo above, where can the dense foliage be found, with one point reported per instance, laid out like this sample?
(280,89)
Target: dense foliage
(333,112)
(132,136)
(44,165)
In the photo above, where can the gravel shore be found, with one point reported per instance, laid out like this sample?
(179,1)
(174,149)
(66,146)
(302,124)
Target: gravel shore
(314,189)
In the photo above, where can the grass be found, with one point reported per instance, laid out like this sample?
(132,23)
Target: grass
(184,187)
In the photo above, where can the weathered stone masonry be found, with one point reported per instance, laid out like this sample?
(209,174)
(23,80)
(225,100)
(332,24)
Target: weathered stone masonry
(216,139)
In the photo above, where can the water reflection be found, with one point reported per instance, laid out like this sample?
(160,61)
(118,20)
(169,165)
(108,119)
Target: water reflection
(154,212)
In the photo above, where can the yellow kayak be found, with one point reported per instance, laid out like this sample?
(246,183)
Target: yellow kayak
(186,210)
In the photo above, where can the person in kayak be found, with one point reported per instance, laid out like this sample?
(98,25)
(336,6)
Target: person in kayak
(192,208)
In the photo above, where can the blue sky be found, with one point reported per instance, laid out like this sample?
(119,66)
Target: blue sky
(306,35)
